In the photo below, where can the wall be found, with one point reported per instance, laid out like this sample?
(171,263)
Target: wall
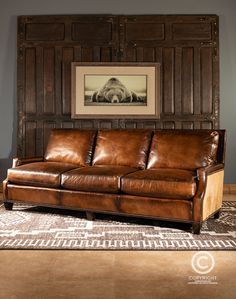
(12,8)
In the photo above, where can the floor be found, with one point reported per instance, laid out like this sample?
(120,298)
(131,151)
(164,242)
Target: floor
(35,274)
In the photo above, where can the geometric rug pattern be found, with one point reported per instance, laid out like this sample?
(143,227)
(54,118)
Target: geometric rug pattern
(33,227)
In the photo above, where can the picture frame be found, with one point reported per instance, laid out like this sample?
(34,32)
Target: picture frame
(115,90)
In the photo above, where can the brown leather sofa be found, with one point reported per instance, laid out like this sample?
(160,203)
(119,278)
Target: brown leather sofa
(174,175)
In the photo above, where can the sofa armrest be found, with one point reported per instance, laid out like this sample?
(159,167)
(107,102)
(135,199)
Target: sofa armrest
(21,161)
(210,186)
(211,168)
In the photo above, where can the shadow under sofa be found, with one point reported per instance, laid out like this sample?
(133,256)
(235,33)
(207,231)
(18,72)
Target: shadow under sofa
(174,175)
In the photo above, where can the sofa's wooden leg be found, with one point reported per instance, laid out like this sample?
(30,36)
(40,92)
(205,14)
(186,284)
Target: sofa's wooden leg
(196,228)
(217,215)
(8,205)
(90,216)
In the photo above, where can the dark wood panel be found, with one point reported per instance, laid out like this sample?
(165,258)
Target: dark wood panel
(98,31)
(187,125)
(144,31)
(39,80)
(130,125)
(206,125)
(169,125)
(30,138)
(197,81)
(129,54)
(67,58)
(149,55)
(106,54)
(178,80)
(67,125)
(58,80)
(187,81)
(186,46)
(191,31)
(87,124)
(87,54)
(78,53)
(30,80)
(168,80)
(206,79)
(48,82)
(106,124)
(96,54)
(45,32)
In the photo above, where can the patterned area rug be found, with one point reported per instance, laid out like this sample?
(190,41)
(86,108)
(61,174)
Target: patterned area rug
(28,227)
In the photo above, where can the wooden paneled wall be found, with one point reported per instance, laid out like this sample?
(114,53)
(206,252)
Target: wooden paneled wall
(186,47)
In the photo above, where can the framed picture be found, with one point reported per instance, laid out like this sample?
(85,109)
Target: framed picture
(115,90)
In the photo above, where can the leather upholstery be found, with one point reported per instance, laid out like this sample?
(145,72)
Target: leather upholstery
(46,174)
(163,183)
(95,179)
(172,186)
(128,204)
(90,200)
(114,203)
(188,150)
(31,194)
(70,146)
(122,147)
(156,207)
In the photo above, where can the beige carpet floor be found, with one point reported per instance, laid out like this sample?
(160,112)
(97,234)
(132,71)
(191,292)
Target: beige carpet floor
(35,274)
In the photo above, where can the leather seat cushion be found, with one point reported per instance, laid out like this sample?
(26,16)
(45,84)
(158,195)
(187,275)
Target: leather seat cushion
(96,178)
(41,174)
(162,183)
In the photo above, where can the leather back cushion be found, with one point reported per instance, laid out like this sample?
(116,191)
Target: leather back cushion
(122,147)
(70,146)
(184,150)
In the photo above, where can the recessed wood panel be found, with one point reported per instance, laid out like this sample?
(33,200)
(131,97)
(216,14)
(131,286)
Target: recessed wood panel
(92,31)
(197,81)
(39,79)
(49,80)
(169,125)
(144,31)
(30,138)
(187,80)
(130,54)
(206,80)
(206,125)
(149,55)
(45,32)
(191,31)
(178,80)
(168,80)
(30,80)
(187,125)
(67,58)
(106,54)
(67,125)
(87,54)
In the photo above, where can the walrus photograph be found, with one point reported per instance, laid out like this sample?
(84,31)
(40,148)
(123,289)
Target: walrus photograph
(115,90)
